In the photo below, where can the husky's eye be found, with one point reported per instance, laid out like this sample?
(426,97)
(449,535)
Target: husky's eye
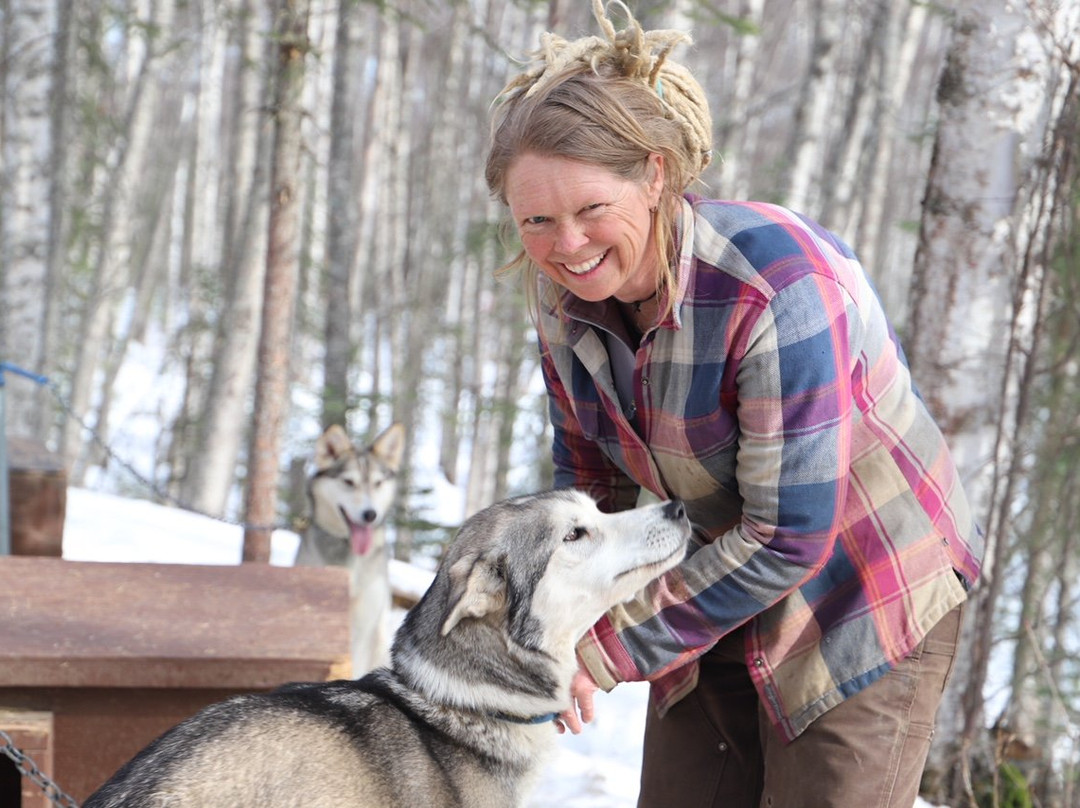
(576,533)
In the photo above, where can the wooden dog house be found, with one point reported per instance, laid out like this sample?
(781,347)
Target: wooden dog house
(98,659)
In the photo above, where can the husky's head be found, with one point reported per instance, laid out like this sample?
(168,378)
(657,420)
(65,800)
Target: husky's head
(555,563)
(530,576)
(353,489)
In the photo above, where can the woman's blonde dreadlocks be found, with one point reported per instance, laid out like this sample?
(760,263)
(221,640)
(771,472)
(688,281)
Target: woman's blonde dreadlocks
(632,53)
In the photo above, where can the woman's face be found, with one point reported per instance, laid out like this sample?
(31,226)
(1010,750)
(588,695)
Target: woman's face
(588,229)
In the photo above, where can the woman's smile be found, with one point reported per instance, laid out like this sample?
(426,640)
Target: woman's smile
(587,266)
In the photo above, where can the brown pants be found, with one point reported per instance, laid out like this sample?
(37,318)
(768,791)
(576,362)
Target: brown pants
(716,748)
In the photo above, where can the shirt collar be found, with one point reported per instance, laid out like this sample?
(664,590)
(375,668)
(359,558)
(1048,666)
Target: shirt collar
(684,238)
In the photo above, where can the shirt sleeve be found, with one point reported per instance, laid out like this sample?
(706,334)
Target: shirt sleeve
(794,409)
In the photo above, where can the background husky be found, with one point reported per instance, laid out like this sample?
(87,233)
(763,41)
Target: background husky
(462,718)
(349,495)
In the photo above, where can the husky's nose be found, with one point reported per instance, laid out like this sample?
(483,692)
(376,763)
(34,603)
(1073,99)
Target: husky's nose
(675,510)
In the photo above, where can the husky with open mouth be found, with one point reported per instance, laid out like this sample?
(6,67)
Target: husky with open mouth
(350,493)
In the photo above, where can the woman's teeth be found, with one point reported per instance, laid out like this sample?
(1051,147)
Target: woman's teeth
(581,269)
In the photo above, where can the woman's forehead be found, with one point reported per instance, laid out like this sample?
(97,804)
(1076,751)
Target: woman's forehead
(539,180)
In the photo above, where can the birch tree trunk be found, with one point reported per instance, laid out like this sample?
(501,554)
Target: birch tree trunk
(142,201)
(1057,784)
(343,221)
(219,437)
(476,384)
(738,128)
(371,283)
(203,239)
(28,56)
(875,225)
(857,138)
(819,99)
(974,275)
(122,219)
(309,346)
(516,365)
(1036,717)
(453,177)
(1059,730)
(272,380)
(59,213)
(411,276)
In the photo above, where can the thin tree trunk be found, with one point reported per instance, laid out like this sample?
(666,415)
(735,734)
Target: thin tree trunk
(451,183)
(509,392)
(739,129)
(112,270)
(272,385)
(343,219)
(204,239)
(857,139)
(875,228)
(28,58)
(143,199)
(1058,787)
(219,439)
(819,97)
(413,284)
(59,215)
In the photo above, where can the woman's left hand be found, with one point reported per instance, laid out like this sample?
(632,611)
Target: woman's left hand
(582,690)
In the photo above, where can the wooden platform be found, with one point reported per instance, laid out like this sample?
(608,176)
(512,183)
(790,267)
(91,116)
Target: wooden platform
(117,653)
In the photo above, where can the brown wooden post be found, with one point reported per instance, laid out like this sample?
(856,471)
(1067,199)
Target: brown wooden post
(38,499)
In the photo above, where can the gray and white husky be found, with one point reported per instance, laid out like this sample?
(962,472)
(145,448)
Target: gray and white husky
(349,495)
(463,716)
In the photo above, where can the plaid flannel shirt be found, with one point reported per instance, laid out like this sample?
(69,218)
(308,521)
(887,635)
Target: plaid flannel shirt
(776,402)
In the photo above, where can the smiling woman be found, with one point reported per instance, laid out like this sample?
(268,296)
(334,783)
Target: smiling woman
(608,127)
(587,229)
(715,351)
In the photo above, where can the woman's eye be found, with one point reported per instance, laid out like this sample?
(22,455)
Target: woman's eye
(535,220)
(576,533)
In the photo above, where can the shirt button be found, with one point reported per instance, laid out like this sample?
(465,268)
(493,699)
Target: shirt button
(759,663)
(645,381)
(721,747)
(631,411)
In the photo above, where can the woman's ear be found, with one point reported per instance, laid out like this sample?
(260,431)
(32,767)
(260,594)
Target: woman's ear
(654,179)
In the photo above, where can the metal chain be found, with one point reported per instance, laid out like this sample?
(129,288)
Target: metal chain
(154,488)
(28,769)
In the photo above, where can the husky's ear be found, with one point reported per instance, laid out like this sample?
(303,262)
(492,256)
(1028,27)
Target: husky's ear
(476,589)
(389,446)
(332,445)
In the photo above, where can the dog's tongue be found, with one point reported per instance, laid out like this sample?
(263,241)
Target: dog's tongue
(361,537)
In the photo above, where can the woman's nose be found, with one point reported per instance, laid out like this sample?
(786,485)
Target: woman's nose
(570,236)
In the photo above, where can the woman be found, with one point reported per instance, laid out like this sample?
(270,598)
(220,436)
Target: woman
(734,355)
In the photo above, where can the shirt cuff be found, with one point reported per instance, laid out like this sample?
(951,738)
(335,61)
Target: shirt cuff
(594,659)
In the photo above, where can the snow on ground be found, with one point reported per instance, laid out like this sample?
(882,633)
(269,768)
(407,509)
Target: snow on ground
(597,769)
